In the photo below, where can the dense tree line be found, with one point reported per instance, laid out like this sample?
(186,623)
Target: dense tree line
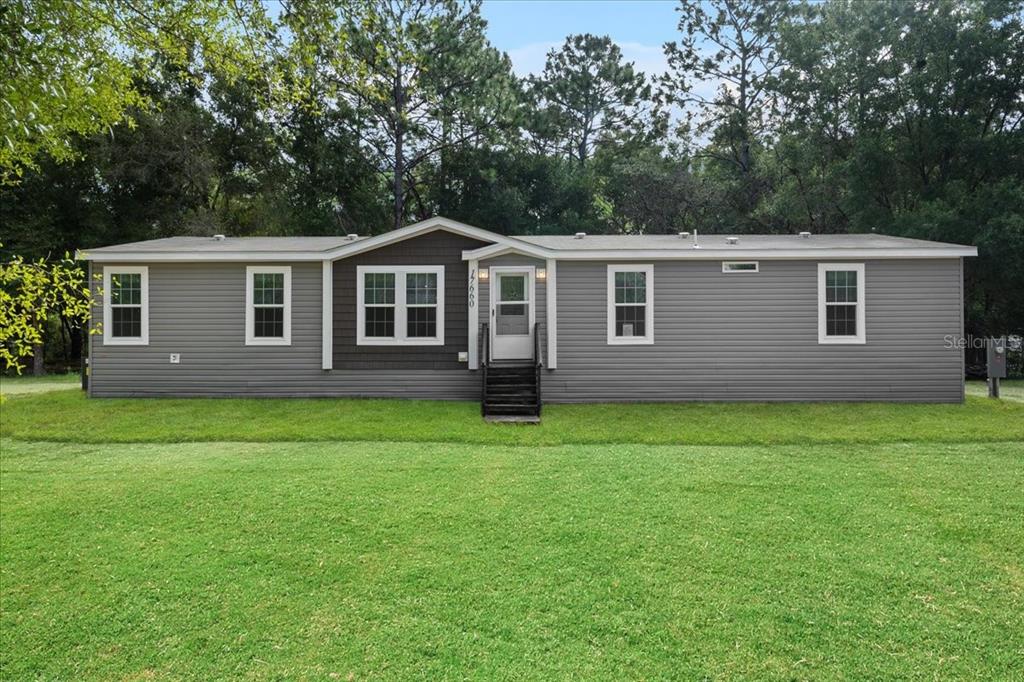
(359,115)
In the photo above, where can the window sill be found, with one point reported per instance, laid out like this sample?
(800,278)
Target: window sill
(268,342)
(838,341)
(125,341)
(631,341)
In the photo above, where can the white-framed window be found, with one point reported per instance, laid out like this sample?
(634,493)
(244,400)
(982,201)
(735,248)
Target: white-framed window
(841,303)
(400,305)
(740,266)
(268,305)
(125,305)
(630,304)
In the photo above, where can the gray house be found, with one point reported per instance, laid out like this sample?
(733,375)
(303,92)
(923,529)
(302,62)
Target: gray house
(441,309)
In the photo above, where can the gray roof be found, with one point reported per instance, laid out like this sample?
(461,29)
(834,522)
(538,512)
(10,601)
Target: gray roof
(766,242)
(595,242)
(229,244)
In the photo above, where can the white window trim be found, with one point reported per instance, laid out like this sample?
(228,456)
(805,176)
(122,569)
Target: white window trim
(108,332)
(400,338)
(727,263)
(648,338)
(250,318)
(861,336)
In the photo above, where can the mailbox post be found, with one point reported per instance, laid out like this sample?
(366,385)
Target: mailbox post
(996,357)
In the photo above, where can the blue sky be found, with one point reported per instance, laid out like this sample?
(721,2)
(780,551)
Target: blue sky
(527,29)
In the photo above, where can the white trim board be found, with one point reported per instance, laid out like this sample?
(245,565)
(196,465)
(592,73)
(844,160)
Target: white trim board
(327,315)
(731,254)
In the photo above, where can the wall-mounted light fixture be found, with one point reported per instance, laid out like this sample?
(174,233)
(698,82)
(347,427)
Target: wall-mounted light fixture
(542,274)
(484,274)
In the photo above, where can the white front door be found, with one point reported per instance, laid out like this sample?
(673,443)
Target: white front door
(512,313)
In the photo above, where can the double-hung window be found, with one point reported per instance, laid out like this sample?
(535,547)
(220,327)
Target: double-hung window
(126,306)
(268,305)
(841,303)
(630,304)
(400,305)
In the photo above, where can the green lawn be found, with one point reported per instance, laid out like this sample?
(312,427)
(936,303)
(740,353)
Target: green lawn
(19,385)
(1009,389)
(426,561)
(820,541)
(69,416)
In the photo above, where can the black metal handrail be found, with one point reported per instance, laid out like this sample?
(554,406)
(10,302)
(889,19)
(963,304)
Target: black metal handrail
(485,360)
(537,361)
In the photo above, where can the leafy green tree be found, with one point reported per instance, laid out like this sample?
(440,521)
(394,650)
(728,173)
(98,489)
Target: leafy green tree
(412,78)
(721,71)
(906,118)
(31,293)
(71,68)
(588,95)
(649,192)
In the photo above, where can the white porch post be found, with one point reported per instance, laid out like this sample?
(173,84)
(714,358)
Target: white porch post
(552,292)
(473,292)
(327,324)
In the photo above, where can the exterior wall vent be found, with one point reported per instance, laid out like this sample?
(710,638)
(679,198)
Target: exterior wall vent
(580,235)
(805,235)
(219,237)
(732,240)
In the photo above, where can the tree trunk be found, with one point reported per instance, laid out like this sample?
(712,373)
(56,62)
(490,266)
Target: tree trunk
(38,369)
(399,188)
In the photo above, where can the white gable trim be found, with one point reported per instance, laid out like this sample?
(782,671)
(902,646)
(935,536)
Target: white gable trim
(416,230)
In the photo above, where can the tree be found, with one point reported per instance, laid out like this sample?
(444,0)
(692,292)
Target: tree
(729,47)
(31,293)
(395,68)
(906,118)
(71,68)
(587,95)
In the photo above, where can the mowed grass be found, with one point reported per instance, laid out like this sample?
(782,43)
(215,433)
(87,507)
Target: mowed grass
(19,385)
(69,416)
(1009,389)
(433,561)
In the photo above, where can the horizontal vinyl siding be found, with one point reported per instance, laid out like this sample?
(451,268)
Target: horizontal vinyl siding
(747,336)
(198,310)
(434,248)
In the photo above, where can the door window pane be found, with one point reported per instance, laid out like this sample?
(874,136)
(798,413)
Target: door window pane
(513,287)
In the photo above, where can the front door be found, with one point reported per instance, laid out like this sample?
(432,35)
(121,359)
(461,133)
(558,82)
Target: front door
(512,313)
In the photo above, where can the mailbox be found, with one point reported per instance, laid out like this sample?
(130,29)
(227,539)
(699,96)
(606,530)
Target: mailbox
(997,358)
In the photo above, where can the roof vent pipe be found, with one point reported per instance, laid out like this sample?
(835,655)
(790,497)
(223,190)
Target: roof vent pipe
(219,237)
(805,235)
(580,235)
(695,240)
(732,240)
